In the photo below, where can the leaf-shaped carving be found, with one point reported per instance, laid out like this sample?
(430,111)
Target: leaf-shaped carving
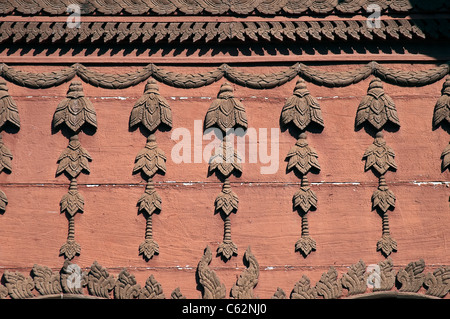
(260,81)
(126,286)
(113,81)
(151,159)
(379,156)
(226,112)
(376,108)
(383,198)
(188,81)
(302,157)
(70,249)
(335,79)
(72,202)
(248,279)
(225,161)
(148,248)
(37,80)
(100,282)
(208,279)
(19,286)
(442,108)
(3,292)
(73,279)
(387,275)
(305,199)
(301,108)
(412,277)
(329,286)
(150,201)
(9,114)
(176,294)
(412,78)
(438,282)
(227,249)
(5,158)
(227,201)
(45,281)
(355,279)
(387,244)
(74,159)
(323,6)
(303,290)
(152,289)
(305,245)
(445,156)
(3,202)
(152,109)
(75,110)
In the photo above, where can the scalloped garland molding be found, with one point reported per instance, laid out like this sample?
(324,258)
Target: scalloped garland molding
(196,80)
(97,282)
(242,7)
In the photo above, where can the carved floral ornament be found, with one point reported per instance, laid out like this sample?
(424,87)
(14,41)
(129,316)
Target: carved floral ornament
(356,282)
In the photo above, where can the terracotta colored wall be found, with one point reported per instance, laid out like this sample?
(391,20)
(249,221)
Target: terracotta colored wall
(110,231)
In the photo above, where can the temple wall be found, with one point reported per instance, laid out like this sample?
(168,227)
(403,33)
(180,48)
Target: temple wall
(110,230)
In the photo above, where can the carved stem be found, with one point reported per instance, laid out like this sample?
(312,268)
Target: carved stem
(386,231)
(227,230)
(382,181)
(305,227)
(305,181)
(149,228)
(150,186)
(71,233)
(73,184)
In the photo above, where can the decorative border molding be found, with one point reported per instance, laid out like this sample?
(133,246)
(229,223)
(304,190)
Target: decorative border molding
(136,33)
(357,282)
(243,7)
(196,80)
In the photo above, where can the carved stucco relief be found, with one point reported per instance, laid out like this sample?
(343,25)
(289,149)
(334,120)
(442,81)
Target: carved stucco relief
(73,115)
(151,112)
(302,112)
(226,112)
(9,118)
(244,7)
(97,282)
(441,118)
(377,111)
(232,74)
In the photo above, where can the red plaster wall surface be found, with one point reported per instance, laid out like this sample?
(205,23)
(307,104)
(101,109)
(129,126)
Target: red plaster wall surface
(346,230)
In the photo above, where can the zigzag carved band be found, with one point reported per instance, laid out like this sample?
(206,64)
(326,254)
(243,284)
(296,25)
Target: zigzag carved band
(196,80)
